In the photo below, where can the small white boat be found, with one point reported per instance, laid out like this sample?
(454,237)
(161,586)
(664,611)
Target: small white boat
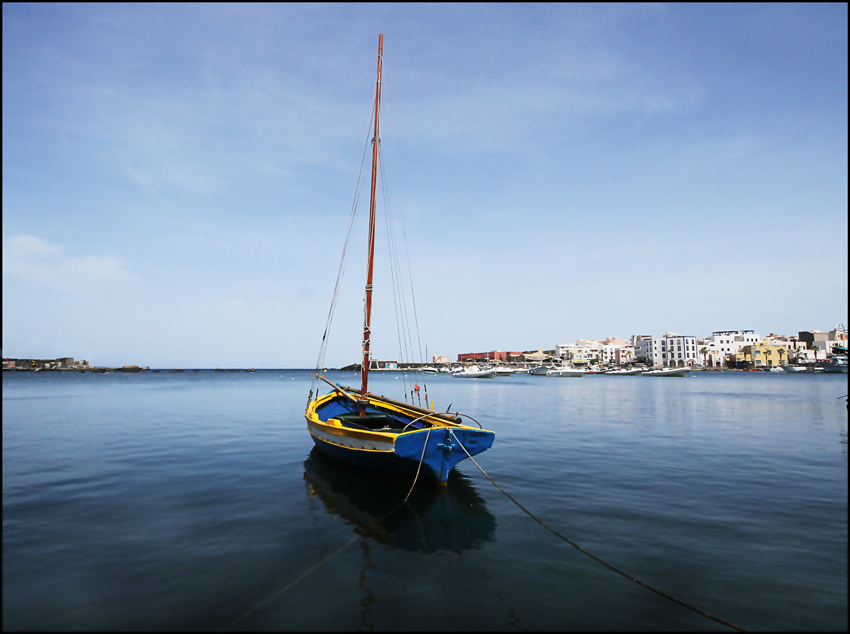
(795,368)
(428,370)
(624,372)
(667,372)
(503,371)
(540,370)
(522,371)
(474,372)
(776,368)
(566,371)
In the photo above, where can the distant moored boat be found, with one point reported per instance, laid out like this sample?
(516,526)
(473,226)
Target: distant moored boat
(667,372)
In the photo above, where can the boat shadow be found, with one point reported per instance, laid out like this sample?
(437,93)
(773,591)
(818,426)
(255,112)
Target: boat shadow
(451,518)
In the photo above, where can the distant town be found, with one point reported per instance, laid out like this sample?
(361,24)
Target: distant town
(723,349)
(734,349)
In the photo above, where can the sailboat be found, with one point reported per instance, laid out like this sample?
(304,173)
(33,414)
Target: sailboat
(372,430)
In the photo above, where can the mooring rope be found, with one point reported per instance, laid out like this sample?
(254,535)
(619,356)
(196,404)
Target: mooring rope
(424,447)
(600,560)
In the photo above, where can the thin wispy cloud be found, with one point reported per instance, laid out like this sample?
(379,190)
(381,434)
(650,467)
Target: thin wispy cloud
(36,261)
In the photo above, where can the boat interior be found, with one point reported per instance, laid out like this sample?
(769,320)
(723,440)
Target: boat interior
(376,419)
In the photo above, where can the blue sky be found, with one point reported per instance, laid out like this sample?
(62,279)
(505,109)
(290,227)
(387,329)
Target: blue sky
(177,179)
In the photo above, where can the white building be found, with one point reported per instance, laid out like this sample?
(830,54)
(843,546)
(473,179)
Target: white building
(580,352)
(723,343)
(647,349)
(679,351)
(575,353)
(609,352)
(616,351)
(670,350)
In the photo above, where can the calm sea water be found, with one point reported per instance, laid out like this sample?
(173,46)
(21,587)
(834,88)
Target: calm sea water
(194,501)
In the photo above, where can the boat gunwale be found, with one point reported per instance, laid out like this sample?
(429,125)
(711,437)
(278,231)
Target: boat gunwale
(340,429)
(414,409)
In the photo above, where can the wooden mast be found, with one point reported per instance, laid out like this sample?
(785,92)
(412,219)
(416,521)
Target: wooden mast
(368,310)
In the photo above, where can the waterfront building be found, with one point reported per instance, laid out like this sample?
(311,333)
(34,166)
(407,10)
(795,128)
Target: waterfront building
(616,351)
(814,338)
(804,355)
(440,359)
(571,352)
(672,350)
(624,355)
(493,355)
(763,354)
(647,349)
(612,350)
(839,335)
(374,364)
(724,343)
(792,341)
(822,342)
(63,363)
(606,354)
(516,357)
(678,351)
(579,353)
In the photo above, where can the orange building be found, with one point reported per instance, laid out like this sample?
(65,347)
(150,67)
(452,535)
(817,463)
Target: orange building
(494,355)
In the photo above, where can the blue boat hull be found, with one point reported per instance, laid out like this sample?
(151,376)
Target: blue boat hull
(442,454)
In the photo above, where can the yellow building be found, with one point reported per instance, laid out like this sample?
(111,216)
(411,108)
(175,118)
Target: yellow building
(763,354)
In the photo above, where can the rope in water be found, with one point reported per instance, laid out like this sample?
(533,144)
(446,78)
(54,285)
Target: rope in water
(602,561)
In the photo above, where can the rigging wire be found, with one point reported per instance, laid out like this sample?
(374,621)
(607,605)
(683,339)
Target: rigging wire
(403,225)
(398,283)
(392,268)
(398,292)
(402,312)
(341,272)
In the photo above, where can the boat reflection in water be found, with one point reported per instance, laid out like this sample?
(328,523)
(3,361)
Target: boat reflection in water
(453,518)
